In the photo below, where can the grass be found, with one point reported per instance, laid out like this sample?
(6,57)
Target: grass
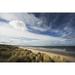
(14,54)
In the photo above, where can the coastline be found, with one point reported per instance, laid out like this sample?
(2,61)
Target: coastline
(10,53)
(52,54)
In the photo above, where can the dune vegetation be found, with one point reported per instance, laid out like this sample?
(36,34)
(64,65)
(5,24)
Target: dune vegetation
(10,53)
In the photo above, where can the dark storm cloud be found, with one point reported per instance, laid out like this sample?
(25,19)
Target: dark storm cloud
(55,24)
(3,20)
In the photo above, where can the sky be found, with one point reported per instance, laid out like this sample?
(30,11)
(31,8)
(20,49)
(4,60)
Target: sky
(37,29)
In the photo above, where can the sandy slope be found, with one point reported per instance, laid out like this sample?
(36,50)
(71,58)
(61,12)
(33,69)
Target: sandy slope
(54,55)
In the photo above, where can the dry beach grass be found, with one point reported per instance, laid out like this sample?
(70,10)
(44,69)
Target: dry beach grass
(10,53)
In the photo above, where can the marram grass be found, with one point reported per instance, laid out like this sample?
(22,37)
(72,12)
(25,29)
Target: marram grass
(10,53)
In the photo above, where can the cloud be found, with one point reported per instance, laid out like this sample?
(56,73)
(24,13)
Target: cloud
(19,26)
(17,29)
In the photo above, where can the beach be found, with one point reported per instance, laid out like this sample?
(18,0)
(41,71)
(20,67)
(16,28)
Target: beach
(52,54)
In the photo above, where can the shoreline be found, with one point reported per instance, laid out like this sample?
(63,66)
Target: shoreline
(52,54)
(9,53)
